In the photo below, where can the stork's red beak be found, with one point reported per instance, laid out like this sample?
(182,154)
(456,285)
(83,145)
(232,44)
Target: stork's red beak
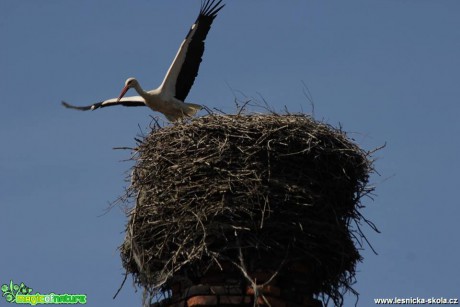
(123,92)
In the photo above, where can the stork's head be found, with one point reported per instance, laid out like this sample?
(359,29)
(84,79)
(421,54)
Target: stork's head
(129,83)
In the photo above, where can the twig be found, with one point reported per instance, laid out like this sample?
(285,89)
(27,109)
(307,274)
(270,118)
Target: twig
(122,284)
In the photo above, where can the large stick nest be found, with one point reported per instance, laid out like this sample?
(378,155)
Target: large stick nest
(243,188)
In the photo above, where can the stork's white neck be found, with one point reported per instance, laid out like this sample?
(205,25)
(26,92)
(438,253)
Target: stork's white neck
(140,90)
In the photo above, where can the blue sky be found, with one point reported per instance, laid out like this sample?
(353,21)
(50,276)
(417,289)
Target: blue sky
(386,70)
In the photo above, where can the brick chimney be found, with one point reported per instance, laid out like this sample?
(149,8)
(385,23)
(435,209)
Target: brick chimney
(225,286)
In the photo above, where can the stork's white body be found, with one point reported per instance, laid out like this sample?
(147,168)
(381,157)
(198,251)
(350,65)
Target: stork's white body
(169,97)
(159,100)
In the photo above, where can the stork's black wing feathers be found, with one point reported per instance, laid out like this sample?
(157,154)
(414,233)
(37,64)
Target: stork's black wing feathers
(81,108)
(105,103)
(191,65)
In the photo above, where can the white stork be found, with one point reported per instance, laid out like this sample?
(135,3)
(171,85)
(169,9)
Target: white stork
(169,97)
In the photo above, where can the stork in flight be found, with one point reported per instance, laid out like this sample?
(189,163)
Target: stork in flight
(169,97)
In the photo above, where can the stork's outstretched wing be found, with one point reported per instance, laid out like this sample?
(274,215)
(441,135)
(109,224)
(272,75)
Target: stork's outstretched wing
(134,101)
(184,69)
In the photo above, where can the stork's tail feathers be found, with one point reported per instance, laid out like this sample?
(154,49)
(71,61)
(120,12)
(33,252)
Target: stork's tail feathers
(184,109)
(192,108)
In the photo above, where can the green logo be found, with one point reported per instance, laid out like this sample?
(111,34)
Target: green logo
(21,294)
